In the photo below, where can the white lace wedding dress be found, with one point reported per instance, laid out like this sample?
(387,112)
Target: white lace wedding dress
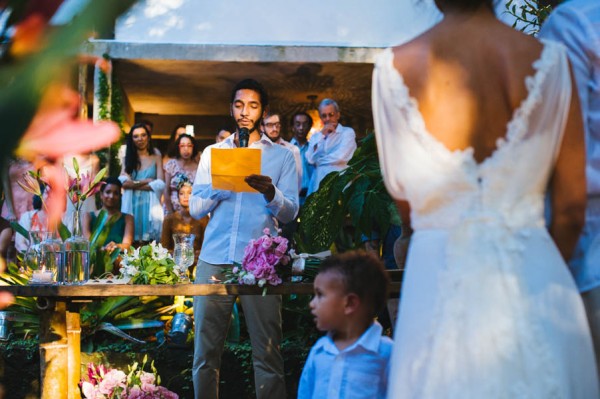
(488,307)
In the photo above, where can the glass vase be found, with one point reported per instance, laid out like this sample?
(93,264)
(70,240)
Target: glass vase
(183,254)
(52,255)
(77,255)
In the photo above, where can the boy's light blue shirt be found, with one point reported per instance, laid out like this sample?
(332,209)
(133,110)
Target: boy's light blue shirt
(359,371)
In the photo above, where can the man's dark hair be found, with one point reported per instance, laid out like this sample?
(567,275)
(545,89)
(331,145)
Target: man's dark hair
(363,274)
(251,84)
(310,119)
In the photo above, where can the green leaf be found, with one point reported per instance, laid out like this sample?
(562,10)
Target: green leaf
(19,229)
(76,166)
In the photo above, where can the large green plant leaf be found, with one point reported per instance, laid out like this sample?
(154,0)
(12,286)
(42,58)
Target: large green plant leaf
(358,192)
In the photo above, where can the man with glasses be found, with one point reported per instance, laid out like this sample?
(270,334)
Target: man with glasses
(271,126)
(330,149)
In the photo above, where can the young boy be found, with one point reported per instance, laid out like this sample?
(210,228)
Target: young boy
(352,360)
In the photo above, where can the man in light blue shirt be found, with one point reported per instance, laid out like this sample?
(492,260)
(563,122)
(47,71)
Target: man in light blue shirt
(576,24)
(301,125)
(236,218)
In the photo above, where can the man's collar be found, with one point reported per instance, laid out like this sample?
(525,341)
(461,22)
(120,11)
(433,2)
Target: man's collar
(229,141)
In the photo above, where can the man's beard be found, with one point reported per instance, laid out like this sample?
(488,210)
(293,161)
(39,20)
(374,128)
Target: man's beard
(255,127)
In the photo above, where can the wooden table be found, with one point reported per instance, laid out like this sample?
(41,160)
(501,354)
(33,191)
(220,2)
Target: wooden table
(60,328)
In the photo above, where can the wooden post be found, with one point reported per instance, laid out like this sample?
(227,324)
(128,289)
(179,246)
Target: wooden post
(82,88)
(53,350)
(74,336)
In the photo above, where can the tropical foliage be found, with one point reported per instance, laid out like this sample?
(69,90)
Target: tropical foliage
(357,193)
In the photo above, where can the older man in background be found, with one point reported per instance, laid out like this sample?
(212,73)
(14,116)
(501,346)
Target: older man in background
(330,149)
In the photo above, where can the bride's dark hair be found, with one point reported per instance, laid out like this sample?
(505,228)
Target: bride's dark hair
(464,5)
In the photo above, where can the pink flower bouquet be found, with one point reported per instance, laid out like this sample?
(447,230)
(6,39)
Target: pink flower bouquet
(105,383)
(265,260)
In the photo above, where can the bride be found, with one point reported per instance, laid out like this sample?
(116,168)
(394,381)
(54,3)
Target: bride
(474,122)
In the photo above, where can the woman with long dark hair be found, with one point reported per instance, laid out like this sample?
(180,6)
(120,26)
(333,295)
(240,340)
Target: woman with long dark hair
(474,121)
(143,182)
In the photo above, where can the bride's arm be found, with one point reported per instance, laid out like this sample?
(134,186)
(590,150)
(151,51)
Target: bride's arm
(401,244)
(568,188)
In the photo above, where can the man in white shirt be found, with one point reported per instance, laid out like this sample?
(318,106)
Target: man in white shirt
(331,148)
(271,125)
(576,24)
(237,218)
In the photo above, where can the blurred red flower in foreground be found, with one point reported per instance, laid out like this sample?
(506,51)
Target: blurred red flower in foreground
(56,131)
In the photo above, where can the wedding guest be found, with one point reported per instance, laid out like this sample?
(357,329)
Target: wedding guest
(182,222)
(330,149)
(121,231)
(352,360)
(143,184)
(301,125)
(222,135)
(183,165)
(172,149)
(576,24)
(6,234)
(16,200)
(35,221)
(271,126)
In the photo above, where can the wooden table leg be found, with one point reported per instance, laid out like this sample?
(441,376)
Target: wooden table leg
(53,349)
(74,339)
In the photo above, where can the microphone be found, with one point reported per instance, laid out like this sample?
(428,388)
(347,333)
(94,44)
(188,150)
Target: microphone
(244,135)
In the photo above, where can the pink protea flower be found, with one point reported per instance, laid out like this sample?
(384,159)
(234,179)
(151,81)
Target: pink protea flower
(56,131)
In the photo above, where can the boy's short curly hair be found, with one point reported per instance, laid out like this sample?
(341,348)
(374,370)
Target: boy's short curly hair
(362,274)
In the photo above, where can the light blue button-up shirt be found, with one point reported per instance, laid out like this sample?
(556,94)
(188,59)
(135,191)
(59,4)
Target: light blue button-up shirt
(576,24)
(359,371)
(307,169)
(236,218)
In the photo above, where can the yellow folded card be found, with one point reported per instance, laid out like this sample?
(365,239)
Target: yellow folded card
(229,167)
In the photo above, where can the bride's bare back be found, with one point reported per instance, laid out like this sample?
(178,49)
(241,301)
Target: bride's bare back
(468,76)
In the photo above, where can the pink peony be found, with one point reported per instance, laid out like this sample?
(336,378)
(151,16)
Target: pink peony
(166,394)
(112,380)
(147,378)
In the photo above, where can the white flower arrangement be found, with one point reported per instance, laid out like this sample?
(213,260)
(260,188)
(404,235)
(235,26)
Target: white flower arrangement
(149,264)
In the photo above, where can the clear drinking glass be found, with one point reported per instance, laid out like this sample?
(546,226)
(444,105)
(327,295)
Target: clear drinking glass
(183,254)
(32,260)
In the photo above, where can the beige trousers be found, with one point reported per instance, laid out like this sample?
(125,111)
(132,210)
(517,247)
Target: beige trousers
(211,321)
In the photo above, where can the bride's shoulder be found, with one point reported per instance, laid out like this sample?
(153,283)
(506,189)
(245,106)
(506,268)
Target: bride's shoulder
(412,57)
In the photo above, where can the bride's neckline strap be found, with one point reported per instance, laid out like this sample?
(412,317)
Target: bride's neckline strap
(516,127)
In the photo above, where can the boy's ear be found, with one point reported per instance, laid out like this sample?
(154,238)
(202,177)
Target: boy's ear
(353,302)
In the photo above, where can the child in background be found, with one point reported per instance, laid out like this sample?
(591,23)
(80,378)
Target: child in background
(352,360)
